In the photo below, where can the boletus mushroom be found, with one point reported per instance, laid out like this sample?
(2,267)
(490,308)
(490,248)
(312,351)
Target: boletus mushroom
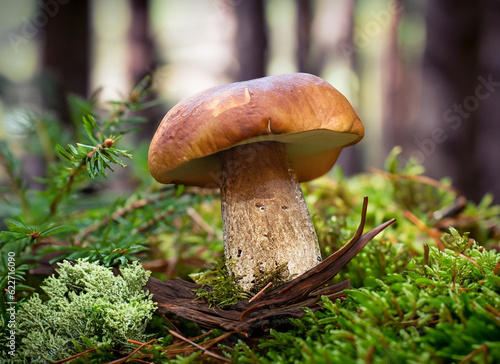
(257,140)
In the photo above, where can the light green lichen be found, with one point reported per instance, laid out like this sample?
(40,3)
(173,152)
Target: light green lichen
(88,306)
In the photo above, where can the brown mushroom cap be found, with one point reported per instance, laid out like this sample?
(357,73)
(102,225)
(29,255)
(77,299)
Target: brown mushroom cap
(312,118)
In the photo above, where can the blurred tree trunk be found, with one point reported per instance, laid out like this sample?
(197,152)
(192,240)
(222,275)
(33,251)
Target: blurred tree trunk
(66,53)
(393,98)
(345,50)
(141,60)
(251,39)
(487,156)
(304,21)
(332,47)
(332,36)
(450,68)
(460,127)
(65,61)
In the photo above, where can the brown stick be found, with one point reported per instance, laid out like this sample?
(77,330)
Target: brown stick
(206,351)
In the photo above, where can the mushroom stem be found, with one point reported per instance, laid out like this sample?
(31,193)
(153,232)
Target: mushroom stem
(267,229)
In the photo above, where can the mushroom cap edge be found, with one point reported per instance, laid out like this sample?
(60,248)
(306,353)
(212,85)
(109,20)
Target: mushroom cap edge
(310,116)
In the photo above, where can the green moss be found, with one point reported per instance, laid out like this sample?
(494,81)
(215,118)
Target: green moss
(87,306)
(441,308)
(278,277)
(218,288)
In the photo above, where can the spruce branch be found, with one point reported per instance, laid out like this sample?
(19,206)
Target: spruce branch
(12,168)
(66,188)
(122,212)
(95,159)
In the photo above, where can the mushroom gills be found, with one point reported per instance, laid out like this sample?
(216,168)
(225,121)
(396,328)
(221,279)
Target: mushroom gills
(303,148)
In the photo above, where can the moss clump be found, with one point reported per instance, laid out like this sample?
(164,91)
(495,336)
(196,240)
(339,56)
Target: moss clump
(278,277)
(218,288)
(88,306)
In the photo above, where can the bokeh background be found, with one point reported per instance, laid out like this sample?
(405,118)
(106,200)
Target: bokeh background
(424,75)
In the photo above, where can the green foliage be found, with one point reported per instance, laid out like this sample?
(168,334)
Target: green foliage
(96,157)
(62,219)
(410,302)
(441,308)
(87,306)
(73,211)
(218,288)
(19,237)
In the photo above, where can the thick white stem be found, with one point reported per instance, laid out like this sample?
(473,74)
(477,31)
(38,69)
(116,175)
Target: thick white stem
(266,223)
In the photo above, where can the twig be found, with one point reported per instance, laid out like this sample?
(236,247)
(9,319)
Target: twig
(260,292)
(420,179)
(121,212)
(433,233)
(15,183)
(460,255)
(493,310)
(153,221)
(497,267)
(124,359)
(193,338)
(469,357)
(75,356)
(170,322)
(206,351)
(67,187)
(398,308)
(135,342)
(426,254)
(175,349)
(199,220)
(369,356)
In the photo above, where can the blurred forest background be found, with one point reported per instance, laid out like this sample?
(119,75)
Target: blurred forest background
(421,74)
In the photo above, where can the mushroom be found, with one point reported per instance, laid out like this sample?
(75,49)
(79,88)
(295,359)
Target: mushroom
(257,140)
